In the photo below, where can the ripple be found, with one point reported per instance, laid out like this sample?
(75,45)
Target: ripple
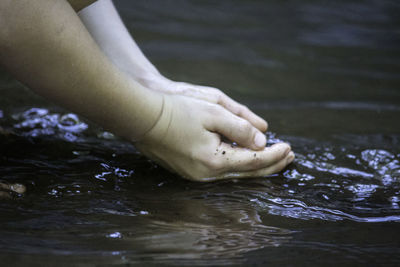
(199,243)
(294,208)
(36,122)
(136,206)
(113,172)
(362,191)
(324,166)
(385,164)
(352,184)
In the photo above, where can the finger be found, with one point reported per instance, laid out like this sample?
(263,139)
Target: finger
(243,112)
(216,96)
(235,128)
(242,159)
(264,172)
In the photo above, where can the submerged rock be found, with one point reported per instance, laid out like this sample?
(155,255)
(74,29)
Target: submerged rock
(6,190)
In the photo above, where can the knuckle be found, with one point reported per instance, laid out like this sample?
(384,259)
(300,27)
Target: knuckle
(244,108)
(215,91)
(220,97)
(214,109)
(245,126)
(244,132)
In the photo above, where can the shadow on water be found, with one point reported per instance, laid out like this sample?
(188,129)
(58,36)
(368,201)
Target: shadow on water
(325,76)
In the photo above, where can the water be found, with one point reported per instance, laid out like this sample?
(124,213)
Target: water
(326,77)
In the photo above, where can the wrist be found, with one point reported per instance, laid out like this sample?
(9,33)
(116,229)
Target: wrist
(145,108)
(123,106)
(161,125)
(152,80)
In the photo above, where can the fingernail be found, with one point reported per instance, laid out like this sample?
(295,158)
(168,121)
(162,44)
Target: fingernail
(260,140)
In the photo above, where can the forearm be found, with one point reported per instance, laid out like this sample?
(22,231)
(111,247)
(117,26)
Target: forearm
(107,29)
(45,45)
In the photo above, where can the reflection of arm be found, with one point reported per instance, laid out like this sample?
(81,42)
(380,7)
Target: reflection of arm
(45,45)
(106,27)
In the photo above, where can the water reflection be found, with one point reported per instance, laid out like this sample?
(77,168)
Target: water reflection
(199,243)
(138,209)
(325,76)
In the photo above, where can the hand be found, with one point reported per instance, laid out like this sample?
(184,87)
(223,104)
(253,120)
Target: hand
(156,81)
(187,140)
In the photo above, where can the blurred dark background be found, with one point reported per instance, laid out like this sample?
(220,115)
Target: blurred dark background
(325,74)
(308,67)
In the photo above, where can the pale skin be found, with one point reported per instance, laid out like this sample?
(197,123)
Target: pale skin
(116,42)
(107,79)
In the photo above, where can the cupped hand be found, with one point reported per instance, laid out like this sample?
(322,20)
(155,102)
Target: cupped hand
(187,139)
(213,95)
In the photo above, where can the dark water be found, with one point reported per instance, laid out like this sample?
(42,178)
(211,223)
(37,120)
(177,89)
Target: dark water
(325,74)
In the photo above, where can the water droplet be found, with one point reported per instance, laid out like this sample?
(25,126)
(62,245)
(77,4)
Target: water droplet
(115,235)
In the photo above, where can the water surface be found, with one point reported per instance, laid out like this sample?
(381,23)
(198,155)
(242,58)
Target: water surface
(326,77)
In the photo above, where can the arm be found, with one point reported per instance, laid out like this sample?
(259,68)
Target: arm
(45,45)
(116,42)
(107,29)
